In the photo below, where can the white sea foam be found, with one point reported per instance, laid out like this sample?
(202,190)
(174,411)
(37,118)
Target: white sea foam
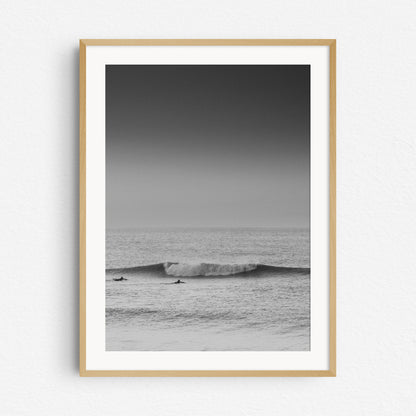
(206,269)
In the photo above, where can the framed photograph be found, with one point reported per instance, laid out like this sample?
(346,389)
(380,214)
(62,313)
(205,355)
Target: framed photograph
(207,207)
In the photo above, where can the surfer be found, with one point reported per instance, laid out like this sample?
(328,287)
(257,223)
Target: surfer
(178,281)
(119,280)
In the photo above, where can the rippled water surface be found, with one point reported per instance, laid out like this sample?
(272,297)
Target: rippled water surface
(263,309)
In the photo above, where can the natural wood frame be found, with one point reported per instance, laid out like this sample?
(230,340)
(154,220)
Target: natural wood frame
(331,43)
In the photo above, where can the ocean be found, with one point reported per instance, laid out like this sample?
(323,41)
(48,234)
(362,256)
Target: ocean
(245,289)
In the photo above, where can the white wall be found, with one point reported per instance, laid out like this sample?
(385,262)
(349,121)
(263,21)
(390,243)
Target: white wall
(376,207)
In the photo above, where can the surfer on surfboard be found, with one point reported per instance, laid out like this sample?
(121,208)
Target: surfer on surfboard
(119,280)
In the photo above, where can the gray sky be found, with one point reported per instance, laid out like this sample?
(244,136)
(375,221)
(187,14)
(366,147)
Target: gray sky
(207,145)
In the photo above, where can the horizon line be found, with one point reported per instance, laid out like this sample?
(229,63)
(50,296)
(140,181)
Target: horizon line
(206,227)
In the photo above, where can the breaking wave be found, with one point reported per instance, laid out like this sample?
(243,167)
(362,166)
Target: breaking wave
(207,269)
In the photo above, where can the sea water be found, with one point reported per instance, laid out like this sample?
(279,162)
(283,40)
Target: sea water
(245,289)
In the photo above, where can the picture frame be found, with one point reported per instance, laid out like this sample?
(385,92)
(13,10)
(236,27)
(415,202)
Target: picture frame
(320,359)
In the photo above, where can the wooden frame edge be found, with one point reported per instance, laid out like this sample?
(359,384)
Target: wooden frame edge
(207,373)
(83,43)
(207,42)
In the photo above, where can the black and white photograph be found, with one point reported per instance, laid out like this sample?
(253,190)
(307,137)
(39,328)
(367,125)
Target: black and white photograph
(207,208)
